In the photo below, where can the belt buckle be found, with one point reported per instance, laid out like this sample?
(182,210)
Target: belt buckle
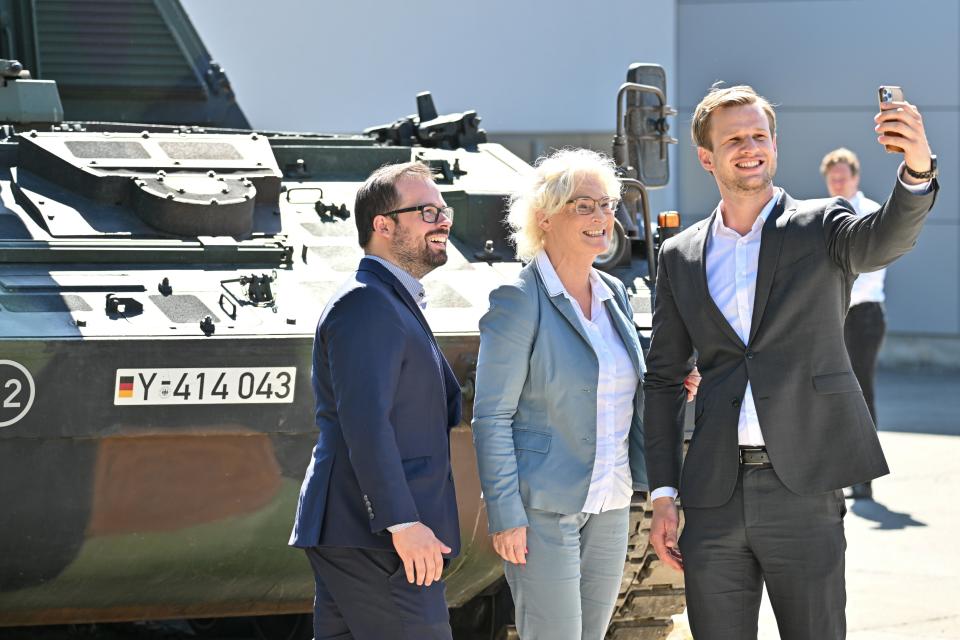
(743,462)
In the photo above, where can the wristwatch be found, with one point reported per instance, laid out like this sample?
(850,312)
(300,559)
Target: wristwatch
(924,175)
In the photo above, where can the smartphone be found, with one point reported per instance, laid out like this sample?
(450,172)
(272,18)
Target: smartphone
(888,93)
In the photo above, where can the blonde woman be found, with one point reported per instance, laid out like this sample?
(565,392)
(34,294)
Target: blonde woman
(558,406)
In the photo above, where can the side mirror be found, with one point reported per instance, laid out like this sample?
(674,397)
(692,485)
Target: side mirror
(640,146)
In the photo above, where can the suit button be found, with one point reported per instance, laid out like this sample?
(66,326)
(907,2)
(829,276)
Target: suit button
(371,515)
(735,402)
(749,354)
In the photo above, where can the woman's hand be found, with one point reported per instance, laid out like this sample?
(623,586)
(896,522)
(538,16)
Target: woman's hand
(692,383)
(511,545)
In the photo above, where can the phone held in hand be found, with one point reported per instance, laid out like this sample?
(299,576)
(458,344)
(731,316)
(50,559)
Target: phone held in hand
(889,93)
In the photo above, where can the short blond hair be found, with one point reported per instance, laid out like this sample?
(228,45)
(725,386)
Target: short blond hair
(718,98)
(840,156)
(548,188)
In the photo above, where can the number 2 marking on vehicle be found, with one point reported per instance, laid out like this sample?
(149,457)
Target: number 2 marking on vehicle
(16,392)
(10,403)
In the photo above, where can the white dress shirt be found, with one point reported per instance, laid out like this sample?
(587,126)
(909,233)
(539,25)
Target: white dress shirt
(732,280)
(610,483)
(868,287)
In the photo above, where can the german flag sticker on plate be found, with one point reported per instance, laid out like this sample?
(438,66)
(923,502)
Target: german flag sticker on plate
(125,386)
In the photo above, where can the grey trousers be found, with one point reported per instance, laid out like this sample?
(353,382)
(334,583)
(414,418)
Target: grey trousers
(766,533)
(569,586)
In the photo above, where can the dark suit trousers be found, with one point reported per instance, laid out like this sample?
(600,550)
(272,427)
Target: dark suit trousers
(766,533)
(363,594)
(863,332)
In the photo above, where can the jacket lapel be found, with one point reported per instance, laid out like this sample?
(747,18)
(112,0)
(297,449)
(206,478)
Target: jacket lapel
(628,333)
(386,276)
(565,307)
(699,264)
(562,304)
(771,240)
(451,385)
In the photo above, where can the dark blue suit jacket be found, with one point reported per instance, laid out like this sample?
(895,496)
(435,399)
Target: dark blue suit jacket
(384,409)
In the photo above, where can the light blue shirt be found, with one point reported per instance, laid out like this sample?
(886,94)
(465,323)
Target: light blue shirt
(413,286)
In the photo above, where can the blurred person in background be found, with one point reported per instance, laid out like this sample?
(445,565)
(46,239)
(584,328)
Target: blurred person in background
(866,323)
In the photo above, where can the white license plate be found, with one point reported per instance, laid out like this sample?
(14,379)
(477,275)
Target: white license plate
(232,385)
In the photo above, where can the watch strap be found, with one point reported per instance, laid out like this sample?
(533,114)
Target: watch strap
(924,175)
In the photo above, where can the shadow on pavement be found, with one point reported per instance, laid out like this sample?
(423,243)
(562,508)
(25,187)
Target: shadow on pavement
(885,518)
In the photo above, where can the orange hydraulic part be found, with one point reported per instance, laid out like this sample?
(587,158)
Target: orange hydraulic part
(668,220)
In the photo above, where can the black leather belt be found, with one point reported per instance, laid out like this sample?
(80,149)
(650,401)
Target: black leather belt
(754,457)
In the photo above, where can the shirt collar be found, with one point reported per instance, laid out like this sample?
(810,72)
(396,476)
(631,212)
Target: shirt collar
(551,280)
(856,200)
(413,286)
(720,228)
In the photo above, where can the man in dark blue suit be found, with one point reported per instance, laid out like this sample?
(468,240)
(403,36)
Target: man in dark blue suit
(377,513)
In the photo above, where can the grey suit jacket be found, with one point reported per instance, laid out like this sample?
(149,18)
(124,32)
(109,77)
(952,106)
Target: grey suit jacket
(535,409)
(814,420)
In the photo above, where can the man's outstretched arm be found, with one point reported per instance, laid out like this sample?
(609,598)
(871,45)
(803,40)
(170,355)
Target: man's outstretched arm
(871,242)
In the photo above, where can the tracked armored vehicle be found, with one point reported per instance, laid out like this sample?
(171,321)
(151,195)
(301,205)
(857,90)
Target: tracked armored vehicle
(159,289)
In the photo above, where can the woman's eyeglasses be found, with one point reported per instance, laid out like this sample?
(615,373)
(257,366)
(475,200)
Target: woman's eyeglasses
(585,205)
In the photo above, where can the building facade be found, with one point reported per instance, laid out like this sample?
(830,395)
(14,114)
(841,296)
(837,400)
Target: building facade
(545,73)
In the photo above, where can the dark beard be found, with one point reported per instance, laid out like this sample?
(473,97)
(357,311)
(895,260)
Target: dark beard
(418,261)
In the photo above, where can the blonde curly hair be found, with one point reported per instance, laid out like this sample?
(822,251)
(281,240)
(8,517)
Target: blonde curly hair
(548,188)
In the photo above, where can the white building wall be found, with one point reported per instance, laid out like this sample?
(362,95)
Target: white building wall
(536,71)
(544,72)
(533,65)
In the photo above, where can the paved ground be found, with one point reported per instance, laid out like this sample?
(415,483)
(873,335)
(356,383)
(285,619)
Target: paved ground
(903,555)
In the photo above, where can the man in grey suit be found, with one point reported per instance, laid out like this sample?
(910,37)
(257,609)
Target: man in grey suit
(756,294)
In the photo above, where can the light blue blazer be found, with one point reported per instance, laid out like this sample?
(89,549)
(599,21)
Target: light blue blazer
(535,409)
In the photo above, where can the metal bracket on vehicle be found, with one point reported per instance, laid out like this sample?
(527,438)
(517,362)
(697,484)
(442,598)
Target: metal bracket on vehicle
(122,306)
(224,300)
(328,212)
(308,200)
(441,169)
(256,291)
(488,254)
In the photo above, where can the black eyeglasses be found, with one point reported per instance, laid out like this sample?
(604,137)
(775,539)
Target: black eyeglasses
(428,212)
(585,205)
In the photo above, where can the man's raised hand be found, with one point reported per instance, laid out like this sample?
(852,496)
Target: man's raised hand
(904,119)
